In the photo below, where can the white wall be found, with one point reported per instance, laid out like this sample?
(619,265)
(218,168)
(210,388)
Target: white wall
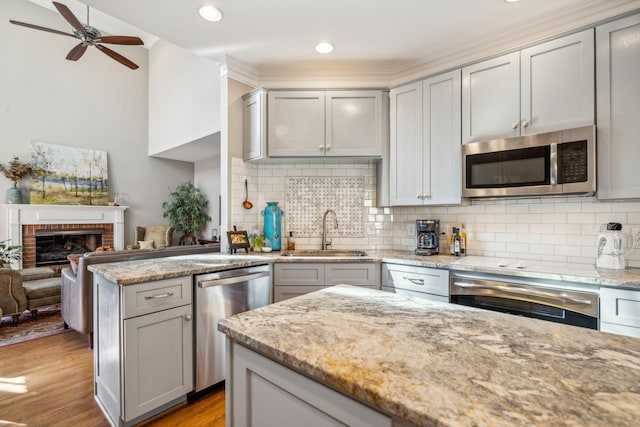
(92,103)
(184,97)
(207,179)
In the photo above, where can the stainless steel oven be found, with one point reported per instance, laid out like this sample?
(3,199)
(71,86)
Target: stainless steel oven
(552,163)
(530,298)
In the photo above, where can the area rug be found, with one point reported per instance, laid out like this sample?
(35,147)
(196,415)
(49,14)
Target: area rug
(49,322)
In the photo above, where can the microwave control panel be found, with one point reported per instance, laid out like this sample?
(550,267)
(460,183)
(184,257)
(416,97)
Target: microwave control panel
(573,162)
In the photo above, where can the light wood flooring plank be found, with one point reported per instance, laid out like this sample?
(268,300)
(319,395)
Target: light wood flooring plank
(55,378)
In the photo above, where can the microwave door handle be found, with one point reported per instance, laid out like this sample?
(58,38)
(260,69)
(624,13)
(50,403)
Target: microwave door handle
(554,164)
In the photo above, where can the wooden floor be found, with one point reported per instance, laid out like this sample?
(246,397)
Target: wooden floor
(49,382)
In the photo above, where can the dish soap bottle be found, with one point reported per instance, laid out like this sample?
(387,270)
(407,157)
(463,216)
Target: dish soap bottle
(291,242)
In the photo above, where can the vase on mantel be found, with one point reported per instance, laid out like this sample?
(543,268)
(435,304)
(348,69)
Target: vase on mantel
(13,195)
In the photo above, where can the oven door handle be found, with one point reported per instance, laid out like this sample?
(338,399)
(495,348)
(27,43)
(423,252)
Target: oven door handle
(521,291)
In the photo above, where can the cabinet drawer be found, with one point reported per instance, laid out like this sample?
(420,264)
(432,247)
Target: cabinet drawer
(155,296)
(355,274)
(620,306)
(281,293)
(298,274)
(417,279)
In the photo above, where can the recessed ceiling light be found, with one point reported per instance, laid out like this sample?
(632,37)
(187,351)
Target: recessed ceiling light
(210,13)
(510,1)
(324,47)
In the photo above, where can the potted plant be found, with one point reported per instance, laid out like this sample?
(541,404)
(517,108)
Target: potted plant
(9,253)
(185,211)
(14,172)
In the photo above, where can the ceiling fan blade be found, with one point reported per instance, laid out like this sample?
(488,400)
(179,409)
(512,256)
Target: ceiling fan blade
(38,27)
(115,55)
(127,40)
(70,17)
(77,52)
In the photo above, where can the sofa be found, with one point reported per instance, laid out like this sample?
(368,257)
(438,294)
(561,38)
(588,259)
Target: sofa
(77,288)
(28,289)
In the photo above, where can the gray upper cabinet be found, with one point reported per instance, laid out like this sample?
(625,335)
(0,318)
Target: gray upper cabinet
(546,87)
(618,108)
(425,167)
(325,123)
(254,124)
(295,123)
(353,123)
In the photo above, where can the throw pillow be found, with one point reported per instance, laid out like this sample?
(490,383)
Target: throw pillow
(146,244)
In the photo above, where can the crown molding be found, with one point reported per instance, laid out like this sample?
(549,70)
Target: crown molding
(239,71)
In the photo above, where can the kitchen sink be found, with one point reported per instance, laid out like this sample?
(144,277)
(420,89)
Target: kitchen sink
(325,253)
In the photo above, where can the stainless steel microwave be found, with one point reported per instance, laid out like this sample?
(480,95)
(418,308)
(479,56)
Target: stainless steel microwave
(552,163)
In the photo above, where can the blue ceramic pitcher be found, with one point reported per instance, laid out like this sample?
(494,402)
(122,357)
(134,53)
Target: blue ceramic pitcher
(272,231)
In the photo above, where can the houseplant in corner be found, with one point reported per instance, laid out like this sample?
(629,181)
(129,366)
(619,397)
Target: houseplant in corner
(14,172)
(185,211)
(9,253)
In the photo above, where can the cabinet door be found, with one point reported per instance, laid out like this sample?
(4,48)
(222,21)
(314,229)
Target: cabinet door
(618,109)
(442,173)
(491,99)
(355,274)
(557,84)
(254,130)
(620,311)
(353,123)
(158,360)
(407,158)
(296,123)
(265,393)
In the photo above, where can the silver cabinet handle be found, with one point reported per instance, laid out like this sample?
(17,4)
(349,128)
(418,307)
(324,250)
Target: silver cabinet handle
(321,147)
(328,148)
(159,296)
(525,123)
(415,281)
(188,317)
(515,125)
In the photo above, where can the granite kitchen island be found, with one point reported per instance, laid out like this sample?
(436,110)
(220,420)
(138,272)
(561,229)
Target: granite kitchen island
(417,362)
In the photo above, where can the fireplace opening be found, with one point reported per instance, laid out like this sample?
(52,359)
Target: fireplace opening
(53,246)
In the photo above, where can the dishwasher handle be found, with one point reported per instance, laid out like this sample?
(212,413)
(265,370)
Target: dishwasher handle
(233,279)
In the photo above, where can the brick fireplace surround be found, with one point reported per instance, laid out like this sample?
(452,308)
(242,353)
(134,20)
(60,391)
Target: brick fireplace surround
(24,220)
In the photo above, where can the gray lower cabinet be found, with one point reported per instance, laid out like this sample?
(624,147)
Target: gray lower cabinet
(292,279)
(620,311)
(423,282)
(143,356)
(265,393)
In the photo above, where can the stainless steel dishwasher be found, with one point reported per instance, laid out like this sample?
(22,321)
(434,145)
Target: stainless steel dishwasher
(220,295)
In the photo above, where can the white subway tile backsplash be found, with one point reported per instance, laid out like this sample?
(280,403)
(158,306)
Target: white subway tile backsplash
(561,229)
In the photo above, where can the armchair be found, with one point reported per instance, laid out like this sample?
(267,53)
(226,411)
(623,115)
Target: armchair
(28,289)
(154,236)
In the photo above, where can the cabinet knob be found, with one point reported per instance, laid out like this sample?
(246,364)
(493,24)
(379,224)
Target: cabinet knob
(418,196)
(328,148)
(188,317)
(525,123)
(515,125)
(321,147)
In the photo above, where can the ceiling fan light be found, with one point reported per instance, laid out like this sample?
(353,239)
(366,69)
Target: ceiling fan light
(210,13)
(324,47)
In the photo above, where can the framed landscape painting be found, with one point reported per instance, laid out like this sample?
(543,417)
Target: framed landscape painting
(67,175)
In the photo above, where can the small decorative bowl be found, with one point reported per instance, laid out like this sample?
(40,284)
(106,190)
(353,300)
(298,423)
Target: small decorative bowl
(266,249)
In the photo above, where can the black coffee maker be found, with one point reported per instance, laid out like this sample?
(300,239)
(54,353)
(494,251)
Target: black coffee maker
(427,235)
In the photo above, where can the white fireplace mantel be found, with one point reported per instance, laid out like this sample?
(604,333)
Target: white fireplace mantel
(19,215)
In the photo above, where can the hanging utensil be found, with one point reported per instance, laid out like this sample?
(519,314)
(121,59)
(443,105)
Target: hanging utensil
(246,204)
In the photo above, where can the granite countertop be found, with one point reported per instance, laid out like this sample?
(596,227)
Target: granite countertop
(448,365)
(130,272)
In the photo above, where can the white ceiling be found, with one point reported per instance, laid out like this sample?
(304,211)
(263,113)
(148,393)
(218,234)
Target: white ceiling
(387,35)
(379,36)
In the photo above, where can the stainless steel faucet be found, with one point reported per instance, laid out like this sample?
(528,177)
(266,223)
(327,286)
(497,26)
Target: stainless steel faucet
(326,242)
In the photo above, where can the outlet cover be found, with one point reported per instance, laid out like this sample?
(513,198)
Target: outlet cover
(411,229)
